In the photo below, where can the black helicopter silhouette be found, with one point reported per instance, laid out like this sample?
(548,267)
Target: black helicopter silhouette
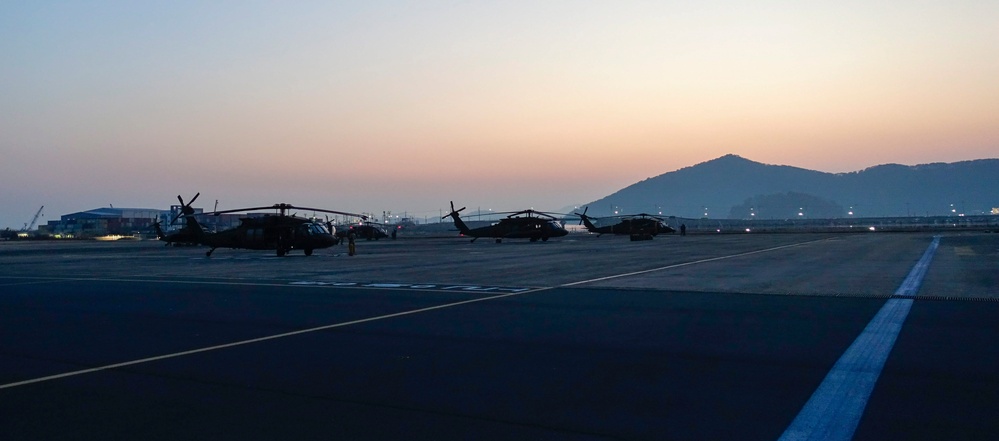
(642,226)
(189,234)
(281,232)
(362,230)
(181,237)
(524,224)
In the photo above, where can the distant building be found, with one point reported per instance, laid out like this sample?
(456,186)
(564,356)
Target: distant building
(126,222)
(106,221)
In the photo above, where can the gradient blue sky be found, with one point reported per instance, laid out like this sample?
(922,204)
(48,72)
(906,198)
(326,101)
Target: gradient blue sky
(403,106)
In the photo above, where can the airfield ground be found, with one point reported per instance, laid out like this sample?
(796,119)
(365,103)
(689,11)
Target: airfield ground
(695,337)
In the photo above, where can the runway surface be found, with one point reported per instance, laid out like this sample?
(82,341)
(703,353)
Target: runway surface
(584,338)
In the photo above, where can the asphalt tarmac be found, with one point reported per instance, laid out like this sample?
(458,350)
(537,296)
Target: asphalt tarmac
(700,337)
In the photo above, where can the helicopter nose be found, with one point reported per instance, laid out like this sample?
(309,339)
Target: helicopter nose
(328,240)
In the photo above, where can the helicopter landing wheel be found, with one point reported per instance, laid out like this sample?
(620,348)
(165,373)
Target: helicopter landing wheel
(308,251)
(544,239)
(281,252)
(209,252)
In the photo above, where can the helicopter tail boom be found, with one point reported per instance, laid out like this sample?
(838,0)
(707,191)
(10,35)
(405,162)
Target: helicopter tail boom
(457,219)
(191,224)
(585,220)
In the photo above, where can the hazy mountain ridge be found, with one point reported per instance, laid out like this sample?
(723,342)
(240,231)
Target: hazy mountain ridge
(716,186)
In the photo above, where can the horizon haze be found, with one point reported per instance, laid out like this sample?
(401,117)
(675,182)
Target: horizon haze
(405,106)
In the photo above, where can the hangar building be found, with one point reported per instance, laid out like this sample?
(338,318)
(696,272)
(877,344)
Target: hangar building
(110,221)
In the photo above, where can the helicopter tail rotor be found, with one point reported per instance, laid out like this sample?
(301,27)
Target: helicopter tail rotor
(586,220)
(453,213)
(582,216)
(156,227)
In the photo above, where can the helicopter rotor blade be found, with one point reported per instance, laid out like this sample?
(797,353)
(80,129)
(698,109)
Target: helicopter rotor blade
(530,212)
(240,210)
(323,210)
(542,214)
(643,216)
(284,207)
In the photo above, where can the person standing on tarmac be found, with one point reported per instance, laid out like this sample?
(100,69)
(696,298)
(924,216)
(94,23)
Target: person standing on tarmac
(351,249)
(683,229)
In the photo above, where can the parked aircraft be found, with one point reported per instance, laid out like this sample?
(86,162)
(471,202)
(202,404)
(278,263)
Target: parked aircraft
(362,230)
(280,232)
(524,224)
(642,226)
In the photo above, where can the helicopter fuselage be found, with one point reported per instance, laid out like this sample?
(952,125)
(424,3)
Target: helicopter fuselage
(632,226)
(280,233)
(526,224)
(520,228)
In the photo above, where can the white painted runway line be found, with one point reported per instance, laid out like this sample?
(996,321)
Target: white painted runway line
(338,325)
(835,408)
(678,265)
(32,282)
(256,340)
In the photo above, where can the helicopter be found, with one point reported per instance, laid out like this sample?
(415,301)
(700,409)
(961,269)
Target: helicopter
(182,237)
(186,236)
(281,232)
(363,230)
(642,226)
(524,224)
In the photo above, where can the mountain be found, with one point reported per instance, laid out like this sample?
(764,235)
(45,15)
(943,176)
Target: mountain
(728,186)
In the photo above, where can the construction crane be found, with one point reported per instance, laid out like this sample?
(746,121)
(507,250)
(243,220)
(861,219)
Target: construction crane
(34,220)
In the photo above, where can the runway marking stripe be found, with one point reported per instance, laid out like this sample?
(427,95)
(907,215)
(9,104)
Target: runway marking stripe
(260,339)
(34,282)
(353,322)
(835,408)
(413,286)
(695,262)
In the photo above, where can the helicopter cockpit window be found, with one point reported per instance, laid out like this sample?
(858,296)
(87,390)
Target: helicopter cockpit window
(317,229)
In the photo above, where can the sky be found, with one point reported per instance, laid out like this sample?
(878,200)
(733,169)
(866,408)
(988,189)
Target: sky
(403,106)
